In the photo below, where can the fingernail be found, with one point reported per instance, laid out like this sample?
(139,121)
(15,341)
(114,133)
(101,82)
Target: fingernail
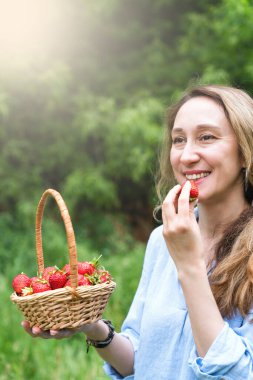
(35,330)
(53,332)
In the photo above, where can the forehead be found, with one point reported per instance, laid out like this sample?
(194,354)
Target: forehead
(201,110)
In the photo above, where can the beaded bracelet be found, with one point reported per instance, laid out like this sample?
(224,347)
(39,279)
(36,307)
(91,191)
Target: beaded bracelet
(102,343)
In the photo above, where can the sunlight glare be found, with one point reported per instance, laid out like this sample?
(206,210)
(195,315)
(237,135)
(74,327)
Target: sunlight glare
(26,26)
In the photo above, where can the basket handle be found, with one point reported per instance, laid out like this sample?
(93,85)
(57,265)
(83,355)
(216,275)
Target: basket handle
(69,232)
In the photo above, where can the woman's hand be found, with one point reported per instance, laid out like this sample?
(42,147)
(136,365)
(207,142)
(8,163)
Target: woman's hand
(181,230)
(36,332)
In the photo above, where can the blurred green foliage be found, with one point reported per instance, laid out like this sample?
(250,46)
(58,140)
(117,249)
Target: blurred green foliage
(85,116)
(218,44)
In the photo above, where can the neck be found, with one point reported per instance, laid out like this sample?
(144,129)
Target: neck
(213,218)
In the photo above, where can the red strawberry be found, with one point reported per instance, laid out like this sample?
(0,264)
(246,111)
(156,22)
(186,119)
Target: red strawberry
(79,278)
(82,280)
(48,271)
(105,276)
(20,281)
(85,268)
(40,285)
(194,192)
(57,279)
(66,269)
(35,278)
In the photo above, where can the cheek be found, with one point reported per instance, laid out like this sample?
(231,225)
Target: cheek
(174,162)
(231,156)
(228,163)
(174,158)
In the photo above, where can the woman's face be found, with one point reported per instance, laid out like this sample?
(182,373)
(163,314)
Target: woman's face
(205,149)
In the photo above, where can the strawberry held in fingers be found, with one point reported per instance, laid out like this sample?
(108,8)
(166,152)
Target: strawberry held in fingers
(194,192)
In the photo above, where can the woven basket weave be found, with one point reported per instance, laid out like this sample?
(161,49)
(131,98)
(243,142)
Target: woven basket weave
(68,307)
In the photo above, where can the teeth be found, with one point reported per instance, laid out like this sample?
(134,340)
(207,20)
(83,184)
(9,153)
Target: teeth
(196,176)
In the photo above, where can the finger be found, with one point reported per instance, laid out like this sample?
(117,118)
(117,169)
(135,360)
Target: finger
(183,200)
(36,330)
(25,324)
(187,207)
(27,328)
(66,333)
(63,333)
(54,332)
(173,192)
(169,206)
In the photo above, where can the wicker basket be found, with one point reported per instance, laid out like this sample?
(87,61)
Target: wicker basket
(68,307)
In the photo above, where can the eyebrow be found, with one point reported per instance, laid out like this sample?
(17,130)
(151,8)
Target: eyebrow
(199,127)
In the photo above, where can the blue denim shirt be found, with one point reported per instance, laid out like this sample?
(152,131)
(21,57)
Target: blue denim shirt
(159,328)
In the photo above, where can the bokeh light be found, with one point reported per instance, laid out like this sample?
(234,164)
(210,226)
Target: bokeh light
(29,29)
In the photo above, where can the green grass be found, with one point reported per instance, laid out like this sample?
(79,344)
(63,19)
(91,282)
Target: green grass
(23,357)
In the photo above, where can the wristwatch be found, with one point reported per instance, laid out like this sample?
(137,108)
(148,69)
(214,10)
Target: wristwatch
(102,343)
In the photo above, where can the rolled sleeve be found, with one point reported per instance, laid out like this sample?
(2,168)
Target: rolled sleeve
(114,375)
(228,358)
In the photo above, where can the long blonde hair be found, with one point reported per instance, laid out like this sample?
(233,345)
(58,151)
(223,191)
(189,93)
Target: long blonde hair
(232,278)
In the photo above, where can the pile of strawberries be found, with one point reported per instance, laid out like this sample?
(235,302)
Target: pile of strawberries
(89,273)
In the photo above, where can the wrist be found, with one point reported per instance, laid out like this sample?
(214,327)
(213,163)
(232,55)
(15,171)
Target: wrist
(97,331)
(191,271)
(101,342)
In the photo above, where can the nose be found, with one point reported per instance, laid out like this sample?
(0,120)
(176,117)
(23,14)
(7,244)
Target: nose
(189,154)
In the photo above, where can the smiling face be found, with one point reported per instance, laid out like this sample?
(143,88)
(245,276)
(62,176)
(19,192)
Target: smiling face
(205,148)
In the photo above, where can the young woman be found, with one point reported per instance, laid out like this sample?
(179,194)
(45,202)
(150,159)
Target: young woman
(191,317)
